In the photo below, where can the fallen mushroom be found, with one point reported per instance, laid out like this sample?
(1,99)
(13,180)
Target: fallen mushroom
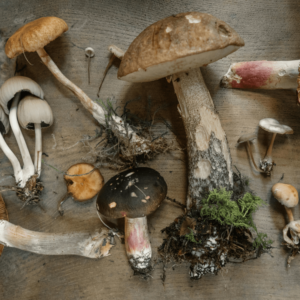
(287,195)
(94,245)
(273,126)
(35,114)
(263,74)
(84,182)
(10,93)
(33,37)
(89,53)
(133,195)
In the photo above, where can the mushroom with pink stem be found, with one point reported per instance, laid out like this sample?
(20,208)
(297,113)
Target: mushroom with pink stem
(33,37)
(287,195)
(133,195)
(10,93)
(263,74)
(273,126)
(35,114)
(94,245)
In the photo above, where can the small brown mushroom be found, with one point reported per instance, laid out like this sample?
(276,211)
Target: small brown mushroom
(287,195)
(84,181)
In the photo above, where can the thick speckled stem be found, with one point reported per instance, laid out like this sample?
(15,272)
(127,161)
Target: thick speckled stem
(137,243)
(92,246)
(118,126)
(209,156)
(262,75)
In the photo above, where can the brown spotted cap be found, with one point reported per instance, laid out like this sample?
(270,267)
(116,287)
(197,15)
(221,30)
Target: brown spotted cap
(286,194)
(35,35)
(178,43)
(3,216)
(134,193)
(83,187)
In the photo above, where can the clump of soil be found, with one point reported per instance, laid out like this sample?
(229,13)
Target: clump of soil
(294,251)
(118,152)
(219,231)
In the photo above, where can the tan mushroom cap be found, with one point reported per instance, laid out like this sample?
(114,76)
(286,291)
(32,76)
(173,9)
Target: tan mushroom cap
(177,43)
(3,216)
(84,187)
(286,194)
(35,35)
(272,125)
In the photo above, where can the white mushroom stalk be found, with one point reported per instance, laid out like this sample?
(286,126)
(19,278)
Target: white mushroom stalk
(33,114)
(95,245)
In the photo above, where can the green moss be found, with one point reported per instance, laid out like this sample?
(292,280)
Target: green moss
(190,237)
(219,206)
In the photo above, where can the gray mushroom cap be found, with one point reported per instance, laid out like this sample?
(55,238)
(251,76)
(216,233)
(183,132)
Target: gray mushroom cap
(134,193)
(248,137)
(4,122)
(272,125)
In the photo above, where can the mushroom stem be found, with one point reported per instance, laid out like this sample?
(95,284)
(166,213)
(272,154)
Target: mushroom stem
(209,156)
(248,147)
(28,169)
(13,159)
(267,163)
(289,214)
(262,75)
(118,126)
(38,148)
(92,246)
(137,243)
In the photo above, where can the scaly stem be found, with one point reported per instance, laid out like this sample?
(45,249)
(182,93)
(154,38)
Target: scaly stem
(137,243)
(92,246)
(38,148)
(28,168)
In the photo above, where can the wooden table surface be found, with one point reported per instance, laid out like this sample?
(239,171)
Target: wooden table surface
(270,30)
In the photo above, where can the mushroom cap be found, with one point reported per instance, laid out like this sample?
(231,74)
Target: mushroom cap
(177,43)
(286,194)
(18,84)
(83,187)
(35,35)
(4,122)
(33,110)
(3,216)
(272,125)
(134,193)
(248,137)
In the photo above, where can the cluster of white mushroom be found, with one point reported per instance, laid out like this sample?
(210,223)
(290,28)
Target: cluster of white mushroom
(32,112)
(270,125)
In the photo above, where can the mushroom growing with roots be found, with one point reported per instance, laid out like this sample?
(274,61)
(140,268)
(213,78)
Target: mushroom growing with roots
(35,114)
(10,93)
(269,75)
(94,245)
(33,37)
(84,182)
(133,195)
(287,195)
(273,126)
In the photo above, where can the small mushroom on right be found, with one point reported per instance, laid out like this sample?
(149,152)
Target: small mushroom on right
(273,126)
(287,195)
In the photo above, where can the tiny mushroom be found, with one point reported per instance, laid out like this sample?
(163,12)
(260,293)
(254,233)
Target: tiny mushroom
(133,195)
(94,245)
(247,138)
(89,53)
(33,37)
(273,126)
(10,94)
(84,181)
(35,114)
(287,195)
(178,46)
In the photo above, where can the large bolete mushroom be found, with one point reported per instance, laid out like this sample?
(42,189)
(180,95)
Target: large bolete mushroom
(178,46)
(133,195)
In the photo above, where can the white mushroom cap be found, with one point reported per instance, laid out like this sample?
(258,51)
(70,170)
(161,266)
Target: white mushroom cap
(33,110)
(272,125)
(17,84)
(4,122)
(248,137)
(286,194)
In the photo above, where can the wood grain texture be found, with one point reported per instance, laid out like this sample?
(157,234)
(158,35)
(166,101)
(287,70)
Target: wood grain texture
(270,31)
